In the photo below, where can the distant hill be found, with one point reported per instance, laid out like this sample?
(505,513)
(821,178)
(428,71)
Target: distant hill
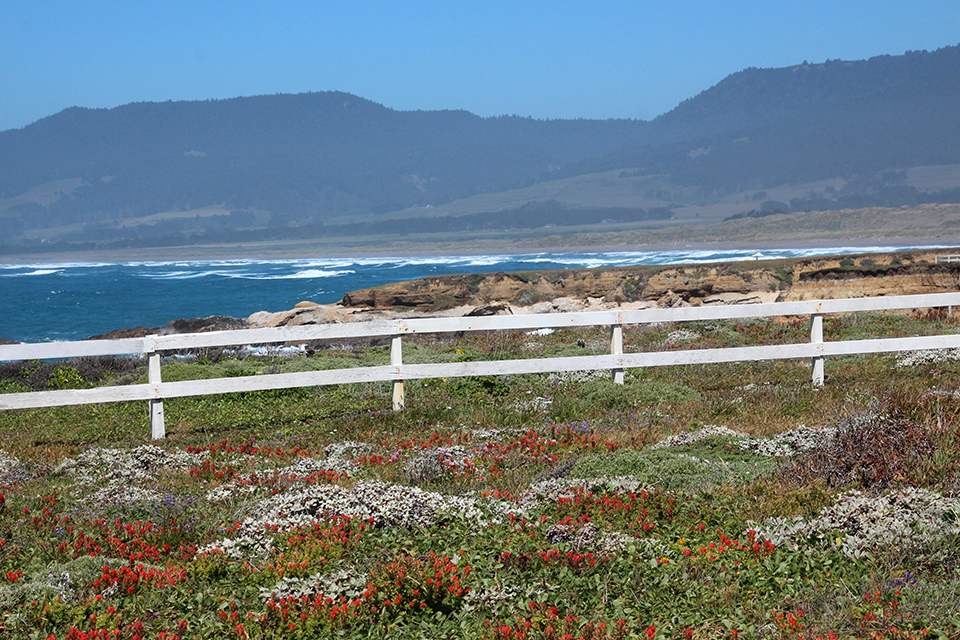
(756,97)
(307,156)
(807,122)
(332,163)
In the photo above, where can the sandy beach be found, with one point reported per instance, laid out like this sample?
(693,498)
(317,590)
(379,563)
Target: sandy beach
(931,225)
(306,249)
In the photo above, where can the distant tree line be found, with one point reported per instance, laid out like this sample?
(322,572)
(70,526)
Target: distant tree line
(886,197)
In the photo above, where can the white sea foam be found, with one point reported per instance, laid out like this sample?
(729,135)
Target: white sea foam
(285,270)
(417,262)
(536,259)
(485,261)
(185,275)
(273,350)
(328,267)
(36,272)
(58,265)
(299,275)
(326,264)
(195,268)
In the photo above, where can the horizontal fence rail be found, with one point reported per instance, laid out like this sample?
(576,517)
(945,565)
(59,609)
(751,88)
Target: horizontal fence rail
(155,390)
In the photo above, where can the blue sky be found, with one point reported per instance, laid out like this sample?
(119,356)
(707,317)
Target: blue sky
(540,59)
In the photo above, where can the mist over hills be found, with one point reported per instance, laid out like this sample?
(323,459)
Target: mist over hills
(330,163)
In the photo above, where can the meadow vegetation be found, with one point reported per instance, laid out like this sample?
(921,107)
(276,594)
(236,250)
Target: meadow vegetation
(718,501)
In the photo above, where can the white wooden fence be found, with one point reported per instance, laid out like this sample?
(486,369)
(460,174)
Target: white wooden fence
(155,390)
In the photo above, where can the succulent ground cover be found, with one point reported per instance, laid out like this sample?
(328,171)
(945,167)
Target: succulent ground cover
(716,501)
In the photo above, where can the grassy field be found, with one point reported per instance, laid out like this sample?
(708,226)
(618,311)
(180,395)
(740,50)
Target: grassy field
(721,501)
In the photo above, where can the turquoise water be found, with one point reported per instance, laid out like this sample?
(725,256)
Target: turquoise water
(71,301)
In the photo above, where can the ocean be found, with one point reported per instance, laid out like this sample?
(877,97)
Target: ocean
(45,302)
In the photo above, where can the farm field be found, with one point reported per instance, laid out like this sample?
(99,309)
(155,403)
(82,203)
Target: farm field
(718,501)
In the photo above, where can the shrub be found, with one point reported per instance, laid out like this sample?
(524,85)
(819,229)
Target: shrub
(867,451)
(477,387)
(66,378)
(12,386)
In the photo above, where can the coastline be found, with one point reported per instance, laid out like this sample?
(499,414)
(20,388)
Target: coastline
(75,300)
(306,250)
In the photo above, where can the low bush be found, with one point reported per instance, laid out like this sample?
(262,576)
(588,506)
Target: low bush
(867,451)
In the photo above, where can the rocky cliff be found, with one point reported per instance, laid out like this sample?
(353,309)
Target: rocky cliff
(854,276)
(733,282)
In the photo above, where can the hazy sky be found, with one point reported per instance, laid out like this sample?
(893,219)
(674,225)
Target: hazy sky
(590,59)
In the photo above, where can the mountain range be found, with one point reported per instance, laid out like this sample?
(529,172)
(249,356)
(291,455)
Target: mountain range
(837,134)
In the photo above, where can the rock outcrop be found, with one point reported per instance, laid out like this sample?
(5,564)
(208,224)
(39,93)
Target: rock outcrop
(184,325)
(669,286)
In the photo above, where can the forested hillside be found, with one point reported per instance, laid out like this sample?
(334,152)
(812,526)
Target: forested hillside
(300,156)
(332,163)
(808,122)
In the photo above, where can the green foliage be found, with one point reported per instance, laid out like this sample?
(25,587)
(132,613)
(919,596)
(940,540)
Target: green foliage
(477,388)
(776,499)
(784,275)
(713,461)
(66,378)
(12,386)
(605,396)
(180,371)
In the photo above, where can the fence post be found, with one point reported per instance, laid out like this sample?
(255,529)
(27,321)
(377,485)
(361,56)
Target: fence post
(816,337)
(157,428)
(616,348)
(396,360)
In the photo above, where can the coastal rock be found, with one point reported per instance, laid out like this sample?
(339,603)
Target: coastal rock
(754,297)
(672,300)
(522,289)
(299,315)
(121,334)
(853,276)
(389,297)
(490,310)
(185,325)
(830,279)
(203,325)
(698,284)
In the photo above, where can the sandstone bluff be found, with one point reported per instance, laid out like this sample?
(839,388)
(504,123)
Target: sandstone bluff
(647,286)
(855,276)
